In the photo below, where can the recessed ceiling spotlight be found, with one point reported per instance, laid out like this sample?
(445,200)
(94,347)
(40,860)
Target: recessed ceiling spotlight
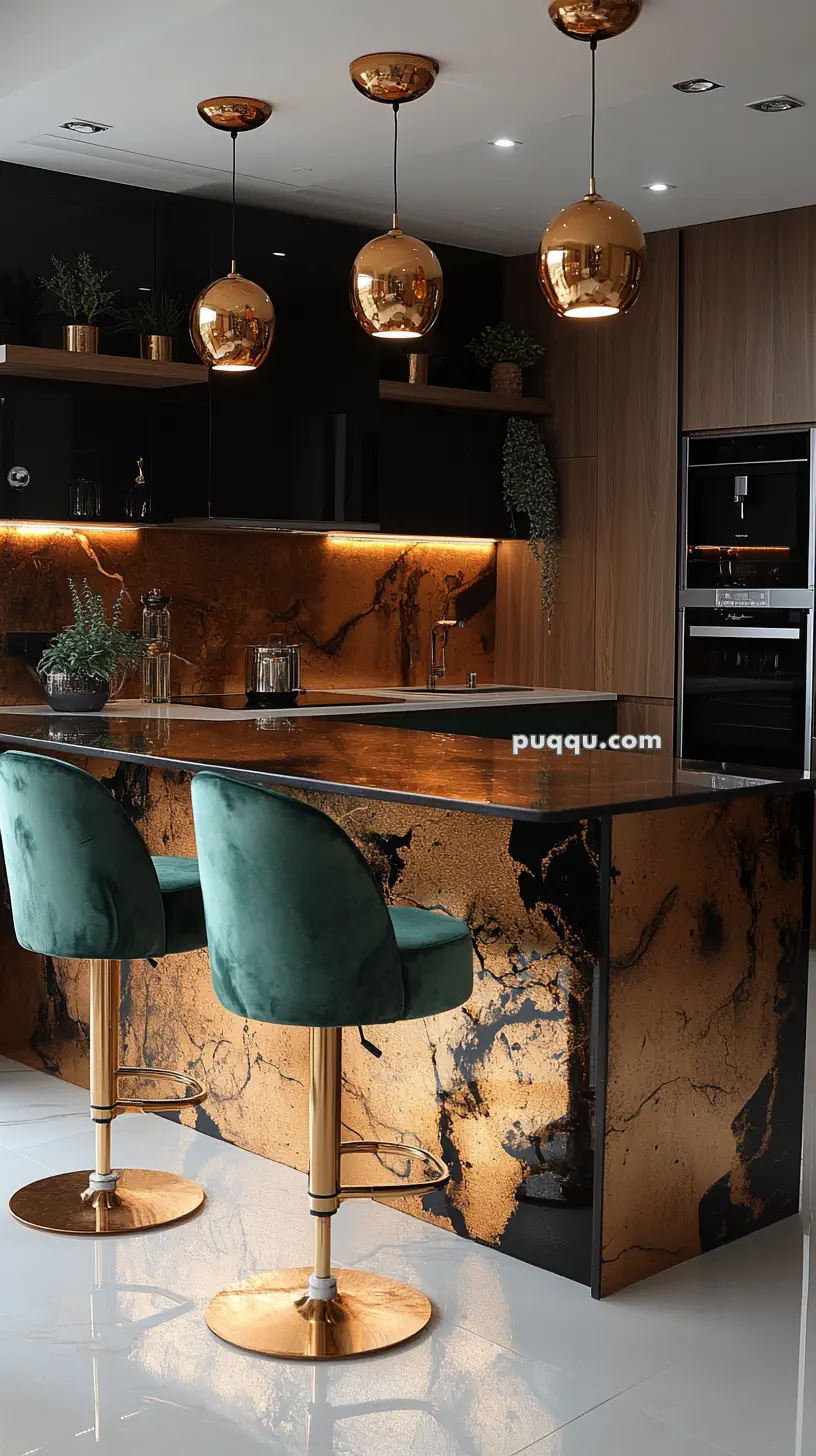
(773,104)
(691,88)
(278,255)
(84,128)
(505,143)
(659,187)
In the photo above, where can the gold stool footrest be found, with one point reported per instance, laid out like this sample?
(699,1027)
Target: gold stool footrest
(159,1104)
(394,1190)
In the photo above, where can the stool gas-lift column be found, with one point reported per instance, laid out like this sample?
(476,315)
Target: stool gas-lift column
(84,887)
(158,1194)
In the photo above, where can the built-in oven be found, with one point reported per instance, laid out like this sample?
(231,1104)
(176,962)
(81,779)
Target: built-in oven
(747,511)
(747,685)
(746,599)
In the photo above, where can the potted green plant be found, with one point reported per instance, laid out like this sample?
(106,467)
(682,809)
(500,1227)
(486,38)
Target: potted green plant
(82,298)
(530,488)
(505,351)
(84,661)
(155,318)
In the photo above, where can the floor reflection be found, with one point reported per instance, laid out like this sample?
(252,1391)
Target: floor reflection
(103,1345)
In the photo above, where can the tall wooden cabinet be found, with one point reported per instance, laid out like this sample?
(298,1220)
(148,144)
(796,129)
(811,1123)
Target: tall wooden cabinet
(749,335)
(635,604)
(614,438)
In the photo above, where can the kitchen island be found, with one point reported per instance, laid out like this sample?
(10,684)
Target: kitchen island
(624,1089)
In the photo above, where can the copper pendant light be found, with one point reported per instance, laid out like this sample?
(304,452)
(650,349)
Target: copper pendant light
(592,255)
(232,322)
(396,280)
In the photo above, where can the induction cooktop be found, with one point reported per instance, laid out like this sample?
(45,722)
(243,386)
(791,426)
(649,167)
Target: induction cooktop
(237,702)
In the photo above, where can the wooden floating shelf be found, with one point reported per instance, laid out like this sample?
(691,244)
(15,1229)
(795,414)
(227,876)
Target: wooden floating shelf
(61,364)
(397,392)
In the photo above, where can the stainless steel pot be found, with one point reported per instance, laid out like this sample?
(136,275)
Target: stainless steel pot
(273,671)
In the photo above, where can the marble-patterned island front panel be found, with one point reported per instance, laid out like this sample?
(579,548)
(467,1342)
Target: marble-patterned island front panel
(499,1088)
(709,926)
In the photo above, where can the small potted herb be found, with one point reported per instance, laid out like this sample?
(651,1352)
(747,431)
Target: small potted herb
(156,319)
(84,661)
(82,298)
(505,351)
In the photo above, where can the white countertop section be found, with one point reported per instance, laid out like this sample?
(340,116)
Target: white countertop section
(405,700)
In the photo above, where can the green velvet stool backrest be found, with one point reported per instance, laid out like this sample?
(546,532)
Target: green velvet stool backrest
(297,927)
(81,880)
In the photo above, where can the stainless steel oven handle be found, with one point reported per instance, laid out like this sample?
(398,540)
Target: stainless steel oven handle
(789,634)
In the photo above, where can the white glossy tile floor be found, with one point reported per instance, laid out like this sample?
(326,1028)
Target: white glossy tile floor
(103,1346)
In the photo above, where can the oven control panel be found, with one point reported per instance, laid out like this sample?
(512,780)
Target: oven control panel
(755,598)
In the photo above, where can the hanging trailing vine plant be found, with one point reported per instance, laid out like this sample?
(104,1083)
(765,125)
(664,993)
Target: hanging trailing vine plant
(530,489)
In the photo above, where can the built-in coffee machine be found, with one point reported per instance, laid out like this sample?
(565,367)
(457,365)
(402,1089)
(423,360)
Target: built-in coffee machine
(746,599)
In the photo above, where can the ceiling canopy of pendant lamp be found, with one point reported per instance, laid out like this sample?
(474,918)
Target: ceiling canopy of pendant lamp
(603,19)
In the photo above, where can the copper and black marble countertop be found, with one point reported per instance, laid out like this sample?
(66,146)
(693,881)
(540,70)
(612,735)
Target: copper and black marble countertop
(476,775)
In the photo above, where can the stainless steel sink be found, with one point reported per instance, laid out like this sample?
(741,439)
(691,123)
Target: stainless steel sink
(463,688)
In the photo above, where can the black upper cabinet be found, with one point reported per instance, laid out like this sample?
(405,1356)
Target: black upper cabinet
(63,435)
(296,440)
(440,472)
(303,439)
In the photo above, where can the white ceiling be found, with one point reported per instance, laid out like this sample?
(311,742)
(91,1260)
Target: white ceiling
(505,70)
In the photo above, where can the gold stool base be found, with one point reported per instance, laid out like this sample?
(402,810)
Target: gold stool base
(143,1199)
(273,1315)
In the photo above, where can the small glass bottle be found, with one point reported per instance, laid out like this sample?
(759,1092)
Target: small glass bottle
(156,635)
(137,500)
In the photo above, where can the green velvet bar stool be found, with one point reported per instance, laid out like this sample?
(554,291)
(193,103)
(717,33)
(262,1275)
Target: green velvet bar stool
(299,934)
(83,886)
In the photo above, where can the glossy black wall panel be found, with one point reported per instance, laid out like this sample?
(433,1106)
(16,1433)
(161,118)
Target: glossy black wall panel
(440,471)
(302,439)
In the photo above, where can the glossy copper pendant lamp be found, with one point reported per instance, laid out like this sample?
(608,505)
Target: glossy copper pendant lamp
(592,255)
(396,280)
(232,322)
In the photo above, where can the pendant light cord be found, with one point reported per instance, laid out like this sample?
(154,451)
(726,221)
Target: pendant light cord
(234,136)
(593,47)
(396,106)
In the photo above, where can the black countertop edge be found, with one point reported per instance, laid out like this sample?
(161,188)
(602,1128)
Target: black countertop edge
(769,790)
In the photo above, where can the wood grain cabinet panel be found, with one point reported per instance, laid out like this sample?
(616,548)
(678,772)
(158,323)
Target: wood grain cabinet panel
(637,486)
(527,652)
(750,322)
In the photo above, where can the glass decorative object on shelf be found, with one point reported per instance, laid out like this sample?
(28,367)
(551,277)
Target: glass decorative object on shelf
(19,477)
(156,635)
(86,499)
(137,500)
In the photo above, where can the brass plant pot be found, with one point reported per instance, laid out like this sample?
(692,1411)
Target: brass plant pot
(81,338)
(157,346)
(505,379)
(417,368)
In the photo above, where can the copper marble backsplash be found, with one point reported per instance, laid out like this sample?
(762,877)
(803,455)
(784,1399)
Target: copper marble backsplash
(361,608)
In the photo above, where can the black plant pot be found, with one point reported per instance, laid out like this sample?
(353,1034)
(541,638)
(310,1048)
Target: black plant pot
(68,692)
